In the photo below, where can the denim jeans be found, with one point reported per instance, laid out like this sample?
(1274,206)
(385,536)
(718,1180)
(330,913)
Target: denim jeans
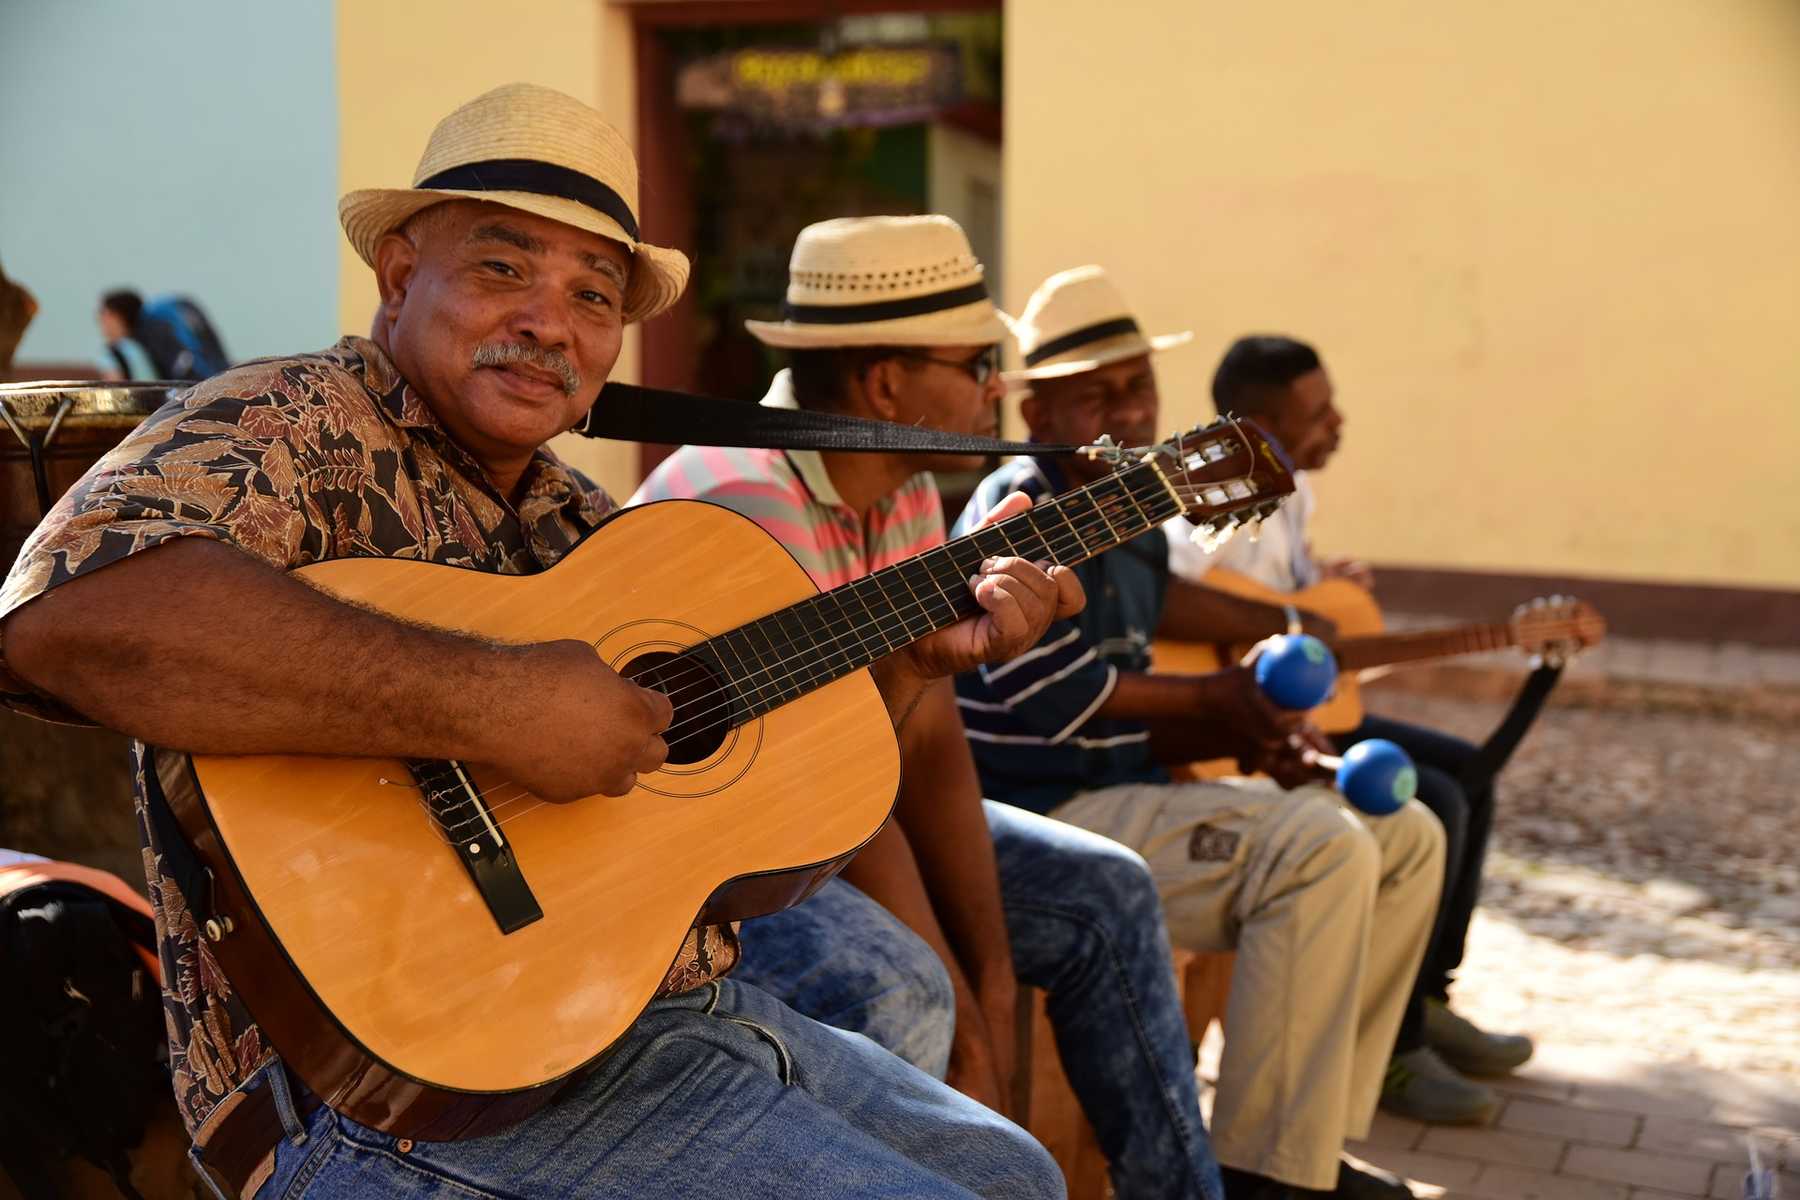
(1466,809)
(1086,926)
(894,990)
(722,1091)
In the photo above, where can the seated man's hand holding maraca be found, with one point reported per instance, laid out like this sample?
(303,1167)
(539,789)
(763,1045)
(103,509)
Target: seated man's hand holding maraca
(1293,762)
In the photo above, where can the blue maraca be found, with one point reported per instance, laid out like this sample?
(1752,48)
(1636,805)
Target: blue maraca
(1375,776)
(1296,671)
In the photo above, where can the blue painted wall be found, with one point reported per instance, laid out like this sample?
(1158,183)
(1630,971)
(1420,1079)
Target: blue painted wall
(186,147)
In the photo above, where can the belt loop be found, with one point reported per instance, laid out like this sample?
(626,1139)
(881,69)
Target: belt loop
(283,1094)
(205,1174)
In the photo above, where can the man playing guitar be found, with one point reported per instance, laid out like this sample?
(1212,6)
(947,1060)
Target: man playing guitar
(507,275)
(1283,385)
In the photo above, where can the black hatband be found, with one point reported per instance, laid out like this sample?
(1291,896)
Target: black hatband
(884,310)
(540,178)
(1081,337)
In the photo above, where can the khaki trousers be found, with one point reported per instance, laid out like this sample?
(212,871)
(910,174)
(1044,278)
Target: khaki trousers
(1328,910)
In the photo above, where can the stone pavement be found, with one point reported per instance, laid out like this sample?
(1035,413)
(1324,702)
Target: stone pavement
(1596,1124)
(1640,918)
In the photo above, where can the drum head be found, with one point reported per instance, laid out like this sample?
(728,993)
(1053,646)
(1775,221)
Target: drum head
(33,405)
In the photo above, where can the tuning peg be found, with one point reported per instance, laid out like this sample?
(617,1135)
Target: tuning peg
(1218,537)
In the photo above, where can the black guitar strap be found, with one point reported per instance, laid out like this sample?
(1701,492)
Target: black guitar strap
(1485,767)
(628,413)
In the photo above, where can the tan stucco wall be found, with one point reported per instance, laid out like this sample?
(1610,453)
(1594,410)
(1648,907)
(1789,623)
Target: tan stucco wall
(404,65)
(1550,251)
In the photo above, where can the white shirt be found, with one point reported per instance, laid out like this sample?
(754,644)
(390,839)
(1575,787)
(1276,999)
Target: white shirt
(1279,558)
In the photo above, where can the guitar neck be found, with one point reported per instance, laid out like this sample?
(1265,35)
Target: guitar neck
(778,658)
(1388,649)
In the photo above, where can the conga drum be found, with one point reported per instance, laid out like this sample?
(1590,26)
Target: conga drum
(54,431)
(65,792)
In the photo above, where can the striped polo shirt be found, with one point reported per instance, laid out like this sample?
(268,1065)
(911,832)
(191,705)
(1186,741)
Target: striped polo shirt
(790,494)
(1031,721)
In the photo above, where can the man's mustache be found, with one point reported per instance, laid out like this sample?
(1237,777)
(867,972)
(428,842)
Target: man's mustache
(501,354)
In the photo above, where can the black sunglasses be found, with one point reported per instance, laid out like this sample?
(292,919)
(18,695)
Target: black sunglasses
(981,368)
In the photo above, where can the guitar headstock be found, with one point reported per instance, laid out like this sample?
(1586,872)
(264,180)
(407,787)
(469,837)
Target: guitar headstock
(1557,628)
(1225,475)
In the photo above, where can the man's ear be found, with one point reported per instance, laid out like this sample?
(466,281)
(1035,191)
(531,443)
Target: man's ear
(883,384)
(395,260)
(1031,408)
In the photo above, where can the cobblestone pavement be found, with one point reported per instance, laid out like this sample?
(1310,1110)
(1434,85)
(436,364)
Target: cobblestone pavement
(1640,920)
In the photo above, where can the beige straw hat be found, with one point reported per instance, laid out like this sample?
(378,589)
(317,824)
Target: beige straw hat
(1078,320)
(539,151)
(883,281)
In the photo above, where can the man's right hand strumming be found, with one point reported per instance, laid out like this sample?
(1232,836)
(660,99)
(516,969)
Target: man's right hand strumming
(593,732)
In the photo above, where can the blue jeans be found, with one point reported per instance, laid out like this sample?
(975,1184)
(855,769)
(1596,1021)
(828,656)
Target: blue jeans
(894,990)
(1086,926)
(723,1091)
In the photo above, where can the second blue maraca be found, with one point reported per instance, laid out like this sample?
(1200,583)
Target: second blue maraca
(1297,671)
(1375,775)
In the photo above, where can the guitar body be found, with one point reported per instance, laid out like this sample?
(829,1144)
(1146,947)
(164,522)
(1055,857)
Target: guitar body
(360,944)
(1352,607)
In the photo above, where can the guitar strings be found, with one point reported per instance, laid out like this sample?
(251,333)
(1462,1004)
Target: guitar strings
(916,606)
(1065,539)
(1068,538)
(790,650)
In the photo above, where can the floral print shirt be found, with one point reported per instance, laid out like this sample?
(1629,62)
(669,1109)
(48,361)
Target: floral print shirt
(293,460)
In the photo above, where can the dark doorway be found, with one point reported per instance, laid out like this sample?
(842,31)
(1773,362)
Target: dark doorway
(756,120)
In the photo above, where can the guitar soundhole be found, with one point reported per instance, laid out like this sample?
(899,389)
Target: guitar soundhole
(702,702)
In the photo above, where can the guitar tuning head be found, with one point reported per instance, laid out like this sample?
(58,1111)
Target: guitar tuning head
(1104,448)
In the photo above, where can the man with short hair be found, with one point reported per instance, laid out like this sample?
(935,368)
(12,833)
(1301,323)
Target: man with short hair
(1282,383)
(888,318)
(507,275)
(166,338)
(1328,910)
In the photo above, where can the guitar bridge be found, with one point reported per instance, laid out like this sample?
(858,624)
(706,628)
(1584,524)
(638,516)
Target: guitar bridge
(470,830)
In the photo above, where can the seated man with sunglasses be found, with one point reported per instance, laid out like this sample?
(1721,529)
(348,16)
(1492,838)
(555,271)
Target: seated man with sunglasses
(888,318)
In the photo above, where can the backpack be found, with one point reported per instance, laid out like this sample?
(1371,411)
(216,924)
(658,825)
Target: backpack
(196,351)
(83,1051)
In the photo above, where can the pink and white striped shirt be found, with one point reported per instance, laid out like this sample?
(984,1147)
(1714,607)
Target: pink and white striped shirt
(790,494)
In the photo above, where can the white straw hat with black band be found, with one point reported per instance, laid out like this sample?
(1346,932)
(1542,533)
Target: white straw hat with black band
(883,281)
(539,151)
(1078,320)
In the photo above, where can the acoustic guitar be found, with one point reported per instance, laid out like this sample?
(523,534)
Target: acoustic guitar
(1553,629)
(435,952)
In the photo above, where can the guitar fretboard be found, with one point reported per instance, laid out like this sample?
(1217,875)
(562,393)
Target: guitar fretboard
(1386,649)
(778,658)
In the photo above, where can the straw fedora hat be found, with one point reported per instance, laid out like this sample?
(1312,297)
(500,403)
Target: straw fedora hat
(883,281)
(1078,320)
(539,151)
